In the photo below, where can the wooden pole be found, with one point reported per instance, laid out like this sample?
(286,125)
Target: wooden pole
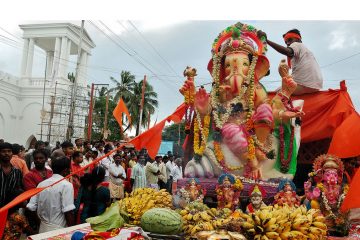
(106,116)
(142,104)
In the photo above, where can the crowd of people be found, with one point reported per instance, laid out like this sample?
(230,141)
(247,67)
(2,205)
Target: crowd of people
(87,193)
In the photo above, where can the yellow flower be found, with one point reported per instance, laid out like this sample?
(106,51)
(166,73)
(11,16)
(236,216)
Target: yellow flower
(251,148)
(220,157)
(199,148)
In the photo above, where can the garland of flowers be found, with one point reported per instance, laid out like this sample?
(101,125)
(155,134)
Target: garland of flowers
(189,102)
(220,158)
(285,162)
(286,101)
(200,147)
(262,147)
(327,206)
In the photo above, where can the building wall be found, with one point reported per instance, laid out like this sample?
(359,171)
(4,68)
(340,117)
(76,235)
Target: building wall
(20,109)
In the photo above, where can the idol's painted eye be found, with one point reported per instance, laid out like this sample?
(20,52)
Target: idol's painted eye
(246,64)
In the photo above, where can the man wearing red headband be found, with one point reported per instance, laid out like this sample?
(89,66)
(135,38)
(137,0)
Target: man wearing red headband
(305,69)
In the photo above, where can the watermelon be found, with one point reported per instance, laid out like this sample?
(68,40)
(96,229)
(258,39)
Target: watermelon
(161,221)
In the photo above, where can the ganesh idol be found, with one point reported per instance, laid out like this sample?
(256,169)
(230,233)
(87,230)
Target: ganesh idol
(228,191)
(232,124)
(325,191)
(195,190)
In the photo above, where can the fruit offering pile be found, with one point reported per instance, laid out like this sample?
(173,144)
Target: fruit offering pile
(139,201)
(275,222)
(198,217)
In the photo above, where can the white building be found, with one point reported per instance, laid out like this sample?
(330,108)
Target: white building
(22,98)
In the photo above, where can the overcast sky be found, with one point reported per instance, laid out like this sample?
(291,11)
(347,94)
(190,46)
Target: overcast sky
(167,47)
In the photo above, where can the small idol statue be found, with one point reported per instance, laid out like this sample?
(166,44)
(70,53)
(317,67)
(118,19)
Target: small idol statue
(287,194)
(228,191)
(256,194)
(196,192)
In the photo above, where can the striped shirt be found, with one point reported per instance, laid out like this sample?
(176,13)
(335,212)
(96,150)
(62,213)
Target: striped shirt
(9,184)
(139,176)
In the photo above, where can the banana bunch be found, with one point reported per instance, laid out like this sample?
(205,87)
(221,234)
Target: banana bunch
(198,217)
(139,201)
(275,222)
(221,217)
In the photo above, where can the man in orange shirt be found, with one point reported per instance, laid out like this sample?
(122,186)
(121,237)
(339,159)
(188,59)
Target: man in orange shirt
(17,161)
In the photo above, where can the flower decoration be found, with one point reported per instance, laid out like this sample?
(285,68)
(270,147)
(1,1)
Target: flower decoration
(220,158)
(199,146)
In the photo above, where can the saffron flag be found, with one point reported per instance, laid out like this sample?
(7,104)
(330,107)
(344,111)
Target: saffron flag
(345,142)
(352,198)
(151,139)
(119,110)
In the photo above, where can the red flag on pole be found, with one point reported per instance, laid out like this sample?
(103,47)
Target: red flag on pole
(119,110)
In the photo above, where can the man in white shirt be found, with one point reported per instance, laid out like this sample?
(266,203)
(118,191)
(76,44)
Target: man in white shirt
(55,204)
(117,176)
(305,69)
(105,162)
(176,173)
(169,166)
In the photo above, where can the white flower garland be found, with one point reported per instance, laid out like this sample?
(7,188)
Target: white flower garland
(327,206)
(261,146)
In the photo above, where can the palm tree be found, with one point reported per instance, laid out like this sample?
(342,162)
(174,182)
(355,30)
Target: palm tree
(150,104)
(124,88)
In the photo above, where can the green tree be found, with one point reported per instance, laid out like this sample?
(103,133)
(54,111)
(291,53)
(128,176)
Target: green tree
(150,104)
(171,132)
(123,88)
(99,117)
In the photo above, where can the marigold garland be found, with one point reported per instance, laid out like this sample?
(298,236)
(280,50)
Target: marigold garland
(199,148)
(188,98)
(251,148)
(220,158)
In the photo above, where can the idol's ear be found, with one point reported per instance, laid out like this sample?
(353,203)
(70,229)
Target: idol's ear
(262,67)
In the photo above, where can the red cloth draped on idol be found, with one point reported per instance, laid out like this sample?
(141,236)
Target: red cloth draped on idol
(232,125)
(325,191)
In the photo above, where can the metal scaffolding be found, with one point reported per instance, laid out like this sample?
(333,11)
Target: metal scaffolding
(55,118)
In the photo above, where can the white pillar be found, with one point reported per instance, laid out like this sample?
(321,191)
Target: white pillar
(68,50)
(24,57)
(30,58)
(83,67)
(55,68)
(67,57)
(49,63)
(62,60)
